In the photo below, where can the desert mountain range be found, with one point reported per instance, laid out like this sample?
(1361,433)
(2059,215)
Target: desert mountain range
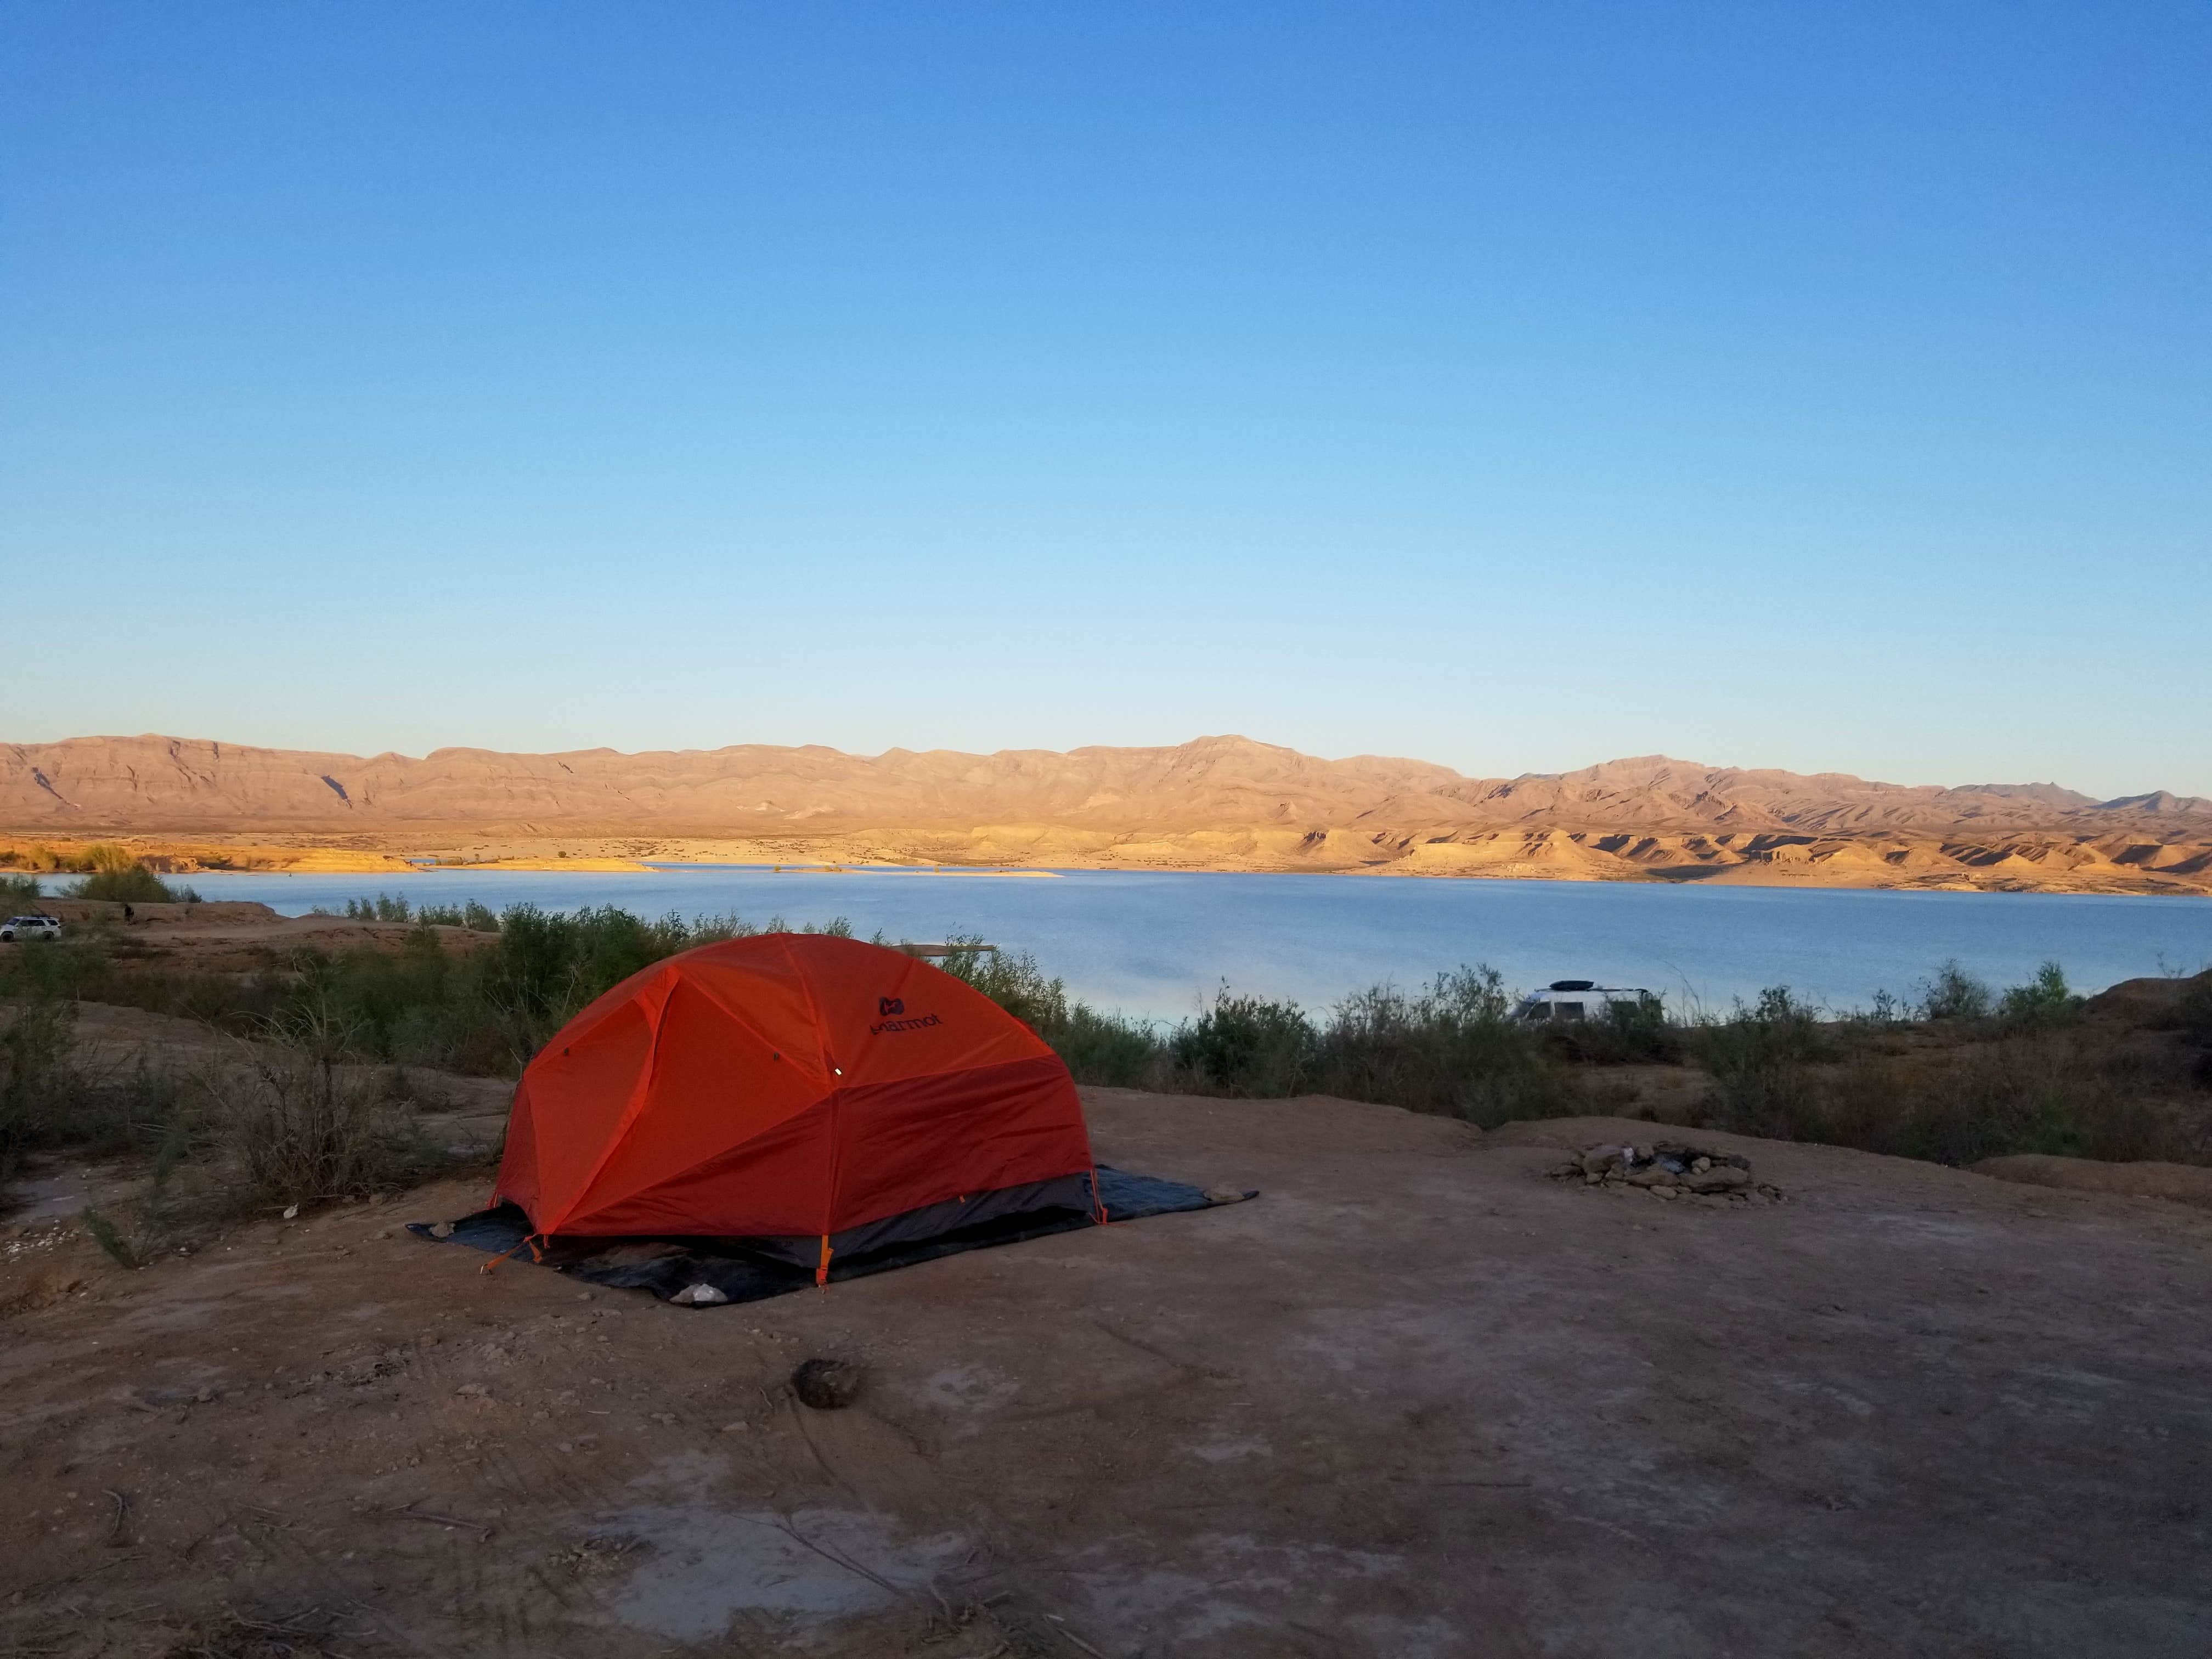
(1218,803)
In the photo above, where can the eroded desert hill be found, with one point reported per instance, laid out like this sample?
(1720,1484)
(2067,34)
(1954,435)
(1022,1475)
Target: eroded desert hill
(1225,803)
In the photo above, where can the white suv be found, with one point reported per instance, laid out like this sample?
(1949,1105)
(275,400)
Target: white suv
(29,927)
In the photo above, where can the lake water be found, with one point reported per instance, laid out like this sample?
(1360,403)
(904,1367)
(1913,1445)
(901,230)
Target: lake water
(1153,944)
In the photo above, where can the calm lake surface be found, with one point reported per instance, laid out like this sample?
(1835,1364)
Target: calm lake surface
(1153,944)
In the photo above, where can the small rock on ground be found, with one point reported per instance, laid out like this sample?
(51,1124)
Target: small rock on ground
(827,1385)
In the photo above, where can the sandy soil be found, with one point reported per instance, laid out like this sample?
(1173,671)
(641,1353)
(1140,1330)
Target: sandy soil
(2181,1183)
(1418,1399)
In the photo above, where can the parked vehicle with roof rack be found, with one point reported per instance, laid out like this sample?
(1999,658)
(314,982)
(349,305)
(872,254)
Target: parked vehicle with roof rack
(28,927)
(1566,1001)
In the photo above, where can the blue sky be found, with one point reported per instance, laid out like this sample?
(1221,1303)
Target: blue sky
(1511,386)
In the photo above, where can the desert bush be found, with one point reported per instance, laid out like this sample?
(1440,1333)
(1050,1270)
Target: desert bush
(384,907)
(1246,1045)
(1954,993)
(2069,1093)
(476,917)
(2045,1001)
(51,1101)
(157,1216)
(70,968)
(483,1012)
(367,1004)
(231,1002)
(2021,1074)
(2192,1014)
(1760,1059)
(35,1075)
(1885,1011)
(1110,1048)
(2192,1019)
(130,884)
(19,894)
(1627,1033)
(81,967)
(296,1129)
(1450,1048)
(547,966)
(1099,1047)
(1011,979)
(132,1103)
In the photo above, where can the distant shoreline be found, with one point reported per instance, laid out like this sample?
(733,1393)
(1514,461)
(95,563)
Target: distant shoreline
(1223,804)
(1885,863)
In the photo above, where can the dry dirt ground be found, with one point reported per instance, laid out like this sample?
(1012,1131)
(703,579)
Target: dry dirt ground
(1418,1400)
(230,936)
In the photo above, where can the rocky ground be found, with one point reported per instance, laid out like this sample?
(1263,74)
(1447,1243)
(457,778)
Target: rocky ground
(1422,1398)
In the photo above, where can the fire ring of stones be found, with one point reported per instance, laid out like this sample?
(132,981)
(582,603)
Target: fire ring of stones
(1670,1169)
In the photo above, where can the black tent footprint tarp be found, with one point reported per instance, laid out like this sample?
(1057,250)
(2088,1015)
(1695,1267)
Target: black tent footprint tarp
(749,1270)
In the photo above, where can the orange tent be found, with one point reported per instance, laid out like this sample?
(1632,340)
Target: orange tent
(788,1087)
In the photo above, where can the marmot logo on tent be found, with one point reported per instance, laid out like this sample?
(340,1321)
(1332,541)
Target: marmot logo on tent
(913,1025)
(886,1006)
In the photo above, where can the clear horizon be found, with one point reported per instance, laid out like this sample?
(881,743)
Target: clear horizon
(1512,391)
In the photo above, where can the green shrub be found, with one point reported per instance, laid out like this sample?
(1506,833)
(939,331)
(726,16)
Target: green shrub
(1013,980)
(1108,1048)
(472,915)
(50,1101)
(1760,1058)
(1111,1049)
(130,884)
(2044,1000)
(1451,1047)
(1248,1046)
(19,894)
(159,1213)
(482,1012)
(1627,1033)
(2071,1093)
(2193,1014)
(125,1252)
(548,966)
(71,969)
(1954,993)
(36,1076)
(1885,1011)
(297,1130)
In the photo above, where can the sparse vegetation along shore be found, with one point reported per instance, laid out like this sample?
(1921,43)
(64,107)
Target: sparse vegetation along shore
(313,1104)
(110,872)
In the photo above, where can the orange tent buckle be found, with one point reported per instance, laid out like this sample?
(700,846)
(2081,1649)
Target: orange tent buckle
(537,1253)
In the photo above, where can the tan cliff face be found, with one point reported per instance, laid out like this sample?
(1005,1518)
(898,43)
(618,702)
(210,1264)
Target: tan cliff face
(1216,802)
